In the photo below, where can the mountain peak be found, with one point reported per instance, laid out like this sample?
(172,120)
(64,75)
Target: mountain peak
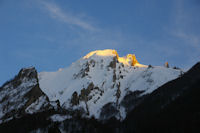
(128,60)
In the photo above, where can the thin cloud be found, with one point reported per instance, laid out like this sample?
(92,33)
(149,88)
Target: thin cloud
(57,13)
(193,40)
(181,29)
(182,21)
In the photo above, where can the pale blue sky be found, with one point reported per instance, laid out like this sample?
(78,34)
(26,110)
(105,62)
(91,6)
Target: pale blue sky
(51,34)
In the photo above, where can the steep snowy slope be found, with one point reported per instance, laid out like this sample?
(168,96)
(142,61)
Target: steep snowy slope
(103,79)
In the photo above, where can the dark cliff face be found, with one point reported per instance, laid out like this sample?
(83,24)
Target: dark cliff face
(173,107)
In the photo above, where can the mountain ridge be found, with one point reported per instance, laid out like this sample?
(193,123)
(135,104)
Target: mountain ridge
(101,94)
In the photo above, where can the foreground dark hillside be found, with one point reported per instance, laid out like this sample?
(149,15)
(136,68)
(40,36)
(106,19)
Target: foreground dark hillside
(172,108)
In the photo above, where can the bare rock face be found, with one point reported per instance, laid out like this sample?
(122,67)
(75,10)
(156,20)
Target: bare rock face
(113,63)
(20,94)
(75,99)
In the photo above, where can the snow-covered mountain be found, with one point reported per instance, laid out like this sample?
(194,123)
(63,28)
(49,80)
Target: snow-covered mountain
(102,78)
(100,85)
(102,92)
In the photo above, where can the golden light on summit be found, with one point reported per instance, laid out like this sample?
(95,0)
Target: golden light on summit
(106,52)
(129,60)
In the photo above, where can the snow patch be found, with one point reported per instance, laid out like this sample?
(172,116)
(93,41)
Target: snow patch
(59,118)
